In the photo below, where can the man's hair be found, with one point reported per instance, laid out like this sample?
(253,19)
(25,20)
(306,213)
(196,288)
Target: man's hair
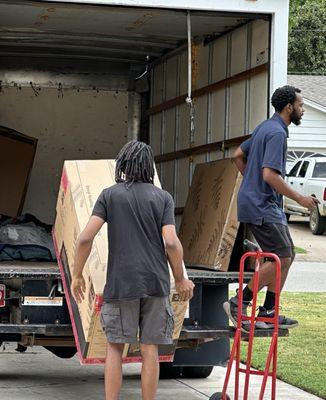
(283,96)
(135,163)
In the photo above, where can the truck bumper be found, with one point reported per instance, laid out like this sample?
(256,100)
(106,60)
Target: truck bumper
(36,329)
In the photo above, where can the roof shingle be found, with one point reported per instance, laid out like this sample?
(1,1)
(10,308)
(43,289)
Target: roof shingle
(313,87)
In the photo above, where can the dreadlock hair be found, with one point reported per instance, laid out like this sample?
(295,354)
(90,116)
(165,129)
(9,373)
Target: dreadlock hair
(283,96)
(134,163)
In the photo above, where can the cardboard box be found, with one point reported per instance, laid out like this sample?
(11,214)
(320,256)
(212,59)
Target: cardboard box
(81,184)
(209,225)
(17,153)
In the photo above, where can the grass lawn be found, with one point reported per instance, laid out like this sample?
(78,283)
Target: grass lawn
(302,355)
(300,250)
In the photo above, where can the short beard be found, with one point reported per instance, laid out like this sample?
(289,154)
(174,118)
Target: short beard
(295,119)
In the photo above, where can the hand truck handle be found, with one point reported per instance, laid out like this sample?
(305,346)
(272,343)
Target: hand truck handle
(250,245)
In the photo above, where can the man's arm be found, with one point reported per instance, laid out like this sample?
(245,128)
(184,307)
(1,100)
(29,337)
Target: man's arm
(83,249)
(174,251)
(240,160)
(275,180)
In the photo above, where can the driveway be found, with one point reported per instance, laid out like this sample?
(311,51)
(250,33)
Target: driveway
(39,375)
(302,237)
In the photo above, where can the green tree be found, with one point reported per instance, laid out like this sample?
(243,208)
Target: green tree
(307,37)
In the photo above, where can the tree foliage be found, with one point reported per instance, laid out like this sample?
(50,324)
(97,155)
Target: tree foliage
(307,37)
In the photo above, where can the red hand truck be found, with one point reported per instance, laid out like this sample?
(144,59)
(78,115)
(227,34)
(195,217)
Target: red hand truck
(236,348)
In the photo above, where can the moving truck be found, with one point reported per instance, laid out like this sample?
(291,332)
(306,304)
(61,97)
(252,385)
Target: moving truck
(83,77)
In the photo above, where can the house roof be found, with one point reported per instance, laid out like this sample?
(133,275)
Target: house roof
(313,87)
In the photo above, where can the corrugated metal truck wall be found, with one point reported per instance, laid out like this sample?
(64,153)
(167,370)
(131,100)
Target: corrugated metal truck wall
(230,94)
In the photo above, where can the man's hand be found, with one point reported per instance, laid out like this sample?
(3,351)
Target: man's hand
(83,250)
(185,289)
(274,179)
(78,288)
(308,202)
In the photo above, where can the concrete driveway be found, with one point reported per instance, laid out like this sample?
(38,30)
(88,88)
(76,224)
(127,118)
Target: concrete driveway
(39,375)
(302,237)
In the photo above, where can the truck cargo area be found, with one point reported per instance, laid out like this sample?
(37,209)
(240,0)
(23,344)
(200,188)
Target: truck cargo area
(84,79)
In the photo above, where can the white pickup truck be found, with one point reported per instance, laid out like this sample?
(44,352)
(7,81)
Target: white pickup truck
(308,177)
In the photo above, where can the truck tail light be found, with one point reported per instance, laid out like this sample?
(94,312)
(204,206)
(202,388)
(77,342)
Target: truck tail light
(325,194)
(2,295)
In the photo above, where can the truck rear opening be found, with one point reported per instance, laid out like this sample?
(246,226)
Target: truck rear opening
(85,78)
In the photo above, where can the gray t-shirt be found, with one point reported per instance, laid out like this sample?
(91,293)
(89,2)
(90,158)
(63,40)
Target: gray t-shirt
(137,264)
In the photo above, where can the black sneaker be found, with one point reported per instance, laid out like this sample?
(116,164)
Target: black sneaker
(231,309)
(283,322)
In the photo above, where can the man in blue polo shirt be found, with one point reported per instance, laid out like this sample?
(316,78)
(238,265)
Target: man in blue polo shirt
(261,160)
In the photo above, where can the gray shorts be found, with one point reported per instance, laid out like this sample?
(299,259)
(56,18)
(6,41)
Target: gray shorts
(150,319)
(274,238)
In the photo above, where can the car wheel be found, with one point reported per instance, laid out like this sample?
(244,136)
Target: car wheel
(317,223)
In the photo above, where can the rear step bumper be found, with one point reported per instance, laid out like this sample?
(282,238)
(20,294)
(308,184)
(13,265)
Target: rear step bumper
(25,269)
(39,270)
(187,333)
(37,329)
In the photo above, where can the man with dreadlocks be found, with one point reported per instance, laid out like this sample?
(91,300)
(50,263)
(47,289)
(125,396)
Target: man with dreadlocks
(142,235)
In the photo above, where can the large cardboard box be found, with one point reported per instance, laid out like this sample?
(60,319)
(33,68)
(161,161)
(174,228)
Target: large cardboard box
(81,184)
(209,225)
(17,153)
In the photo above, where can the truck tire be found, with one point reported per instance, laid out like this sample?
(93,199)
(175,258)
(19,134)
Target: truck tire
(317,223)
(196,372)
(170,371)
(62,351)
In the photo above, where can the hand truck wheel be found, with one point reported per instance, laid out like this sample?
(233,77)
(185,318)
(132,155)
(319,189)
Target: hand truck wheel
(218,396)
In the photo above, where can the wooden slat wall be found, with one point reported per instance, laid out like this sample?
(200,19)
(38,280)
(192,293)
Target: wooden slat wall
(230,89)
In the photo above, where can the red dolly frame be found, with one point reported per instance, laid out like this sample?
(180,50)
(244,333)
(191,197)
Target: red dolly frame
(236,348)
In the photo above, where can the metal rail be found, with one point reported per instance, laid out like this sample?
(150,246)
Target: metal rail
(206,332)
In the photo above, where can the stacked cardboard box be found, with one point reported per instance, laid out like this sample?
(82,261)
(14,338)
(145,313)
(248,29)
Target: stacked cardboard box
(17,152)
(81,184)
(209,225)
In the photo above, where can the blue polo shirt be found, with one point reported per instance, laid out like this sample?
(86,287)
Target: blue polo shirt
(258,202)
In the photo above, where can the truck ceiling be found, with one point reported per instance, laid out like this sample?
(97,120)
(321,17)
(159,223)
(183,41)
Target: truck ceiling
(51,35)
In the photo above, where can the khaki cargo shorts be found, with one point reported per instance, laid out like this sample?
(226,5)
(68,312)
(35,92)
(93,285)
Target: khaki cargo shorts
(151,318)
